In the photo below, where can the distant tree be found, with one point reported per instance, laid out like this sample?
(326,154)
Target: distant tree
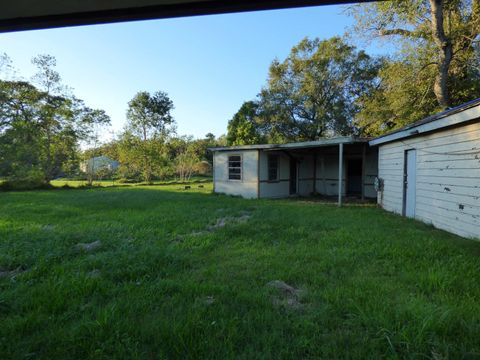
(97,120)
(185,164)
(41,126)
(314,92)
(56,118)
(150,121)
(245,128)
(149,115)
(210,138)
(437,64)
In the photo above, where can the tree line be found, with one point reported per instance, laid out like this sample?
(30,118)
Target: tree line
(331,88)
(323,88)
(46,133)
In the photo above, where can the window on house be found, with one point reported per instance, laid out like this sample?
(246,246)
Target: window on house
(235,167)
(272,167)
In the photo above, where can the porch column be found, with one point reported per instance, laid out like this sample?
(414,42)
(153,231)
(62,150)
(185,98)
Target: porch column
(364,156)
(340,173)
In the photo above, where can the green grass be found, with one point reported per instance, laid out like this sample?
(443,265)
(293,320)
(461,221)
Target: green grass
(109,183)
(374,284)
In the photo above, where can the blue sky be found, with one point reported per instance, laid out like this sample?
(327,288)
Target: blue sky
(208,65)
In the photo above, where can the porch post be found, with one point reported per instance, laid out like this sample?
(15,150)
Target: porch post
(340,173)
(364,156)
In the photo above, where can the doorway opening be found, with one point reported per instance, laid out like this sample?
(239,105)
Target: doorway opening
(354,177)
(293,176)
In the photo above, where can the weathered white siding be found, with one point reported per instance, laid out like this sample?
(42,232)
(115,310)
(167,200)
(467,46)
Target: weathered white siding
(248,186)
(447,180)
(327,175)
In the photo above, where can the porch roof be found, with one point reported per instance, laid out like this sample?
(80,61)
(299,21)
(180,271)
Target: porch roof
(296,145)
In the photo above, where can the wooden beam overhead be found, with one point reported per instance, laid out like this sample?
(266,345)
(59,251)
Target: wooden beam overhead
(22,15)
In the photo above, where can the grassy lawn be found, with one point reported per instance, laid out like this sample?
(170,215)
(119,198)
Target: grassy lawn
(184,273)
(106,183)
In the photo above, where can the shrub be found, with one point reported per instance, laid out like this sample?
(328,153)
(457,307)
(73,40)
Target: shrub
(127,181)
(24,184)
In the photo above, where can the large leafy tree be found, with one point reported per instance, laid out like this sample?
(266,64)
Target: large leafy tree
(313,93)
(149,115)
(245,126)
(41,125)
(149,121)
(437,63)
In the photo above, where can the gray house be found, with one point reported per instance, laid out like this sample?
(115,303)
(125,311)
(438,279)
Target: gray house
(431,170)
(98,163)
(305,168)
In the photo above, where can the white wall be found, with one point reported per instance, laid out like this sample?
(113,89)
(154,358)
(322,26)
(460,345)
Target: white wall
(327,175)
(305,175)
(445,182)
(248,186)
(274,189)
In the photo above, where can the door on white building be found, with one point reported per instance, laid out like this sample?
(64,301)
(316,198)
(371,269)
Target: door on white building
(409,183)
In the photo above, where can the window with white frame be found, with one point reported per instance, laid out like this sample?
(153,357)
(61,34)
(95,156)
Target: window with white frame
(273,168)
(235,167)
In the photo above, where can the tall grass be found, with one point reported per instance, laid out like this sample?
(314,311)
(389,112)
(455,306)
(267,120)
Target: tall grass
(164,286)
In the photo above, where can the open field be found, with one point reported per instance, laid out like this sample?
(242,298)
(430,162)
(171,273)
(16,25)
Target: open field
(183,274)
(107,183)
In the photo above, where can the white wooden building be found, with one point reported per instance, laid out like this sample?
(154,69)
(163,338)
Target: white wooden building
(305,168)
(431,170)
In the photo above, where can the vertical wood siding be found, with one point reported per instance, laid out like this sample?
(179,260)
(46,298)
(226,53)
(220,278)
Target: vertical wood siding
(448,178)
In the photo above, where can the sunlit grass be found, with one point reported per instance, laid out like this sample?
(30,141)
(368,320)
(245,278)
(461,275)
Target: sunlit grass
(167,283)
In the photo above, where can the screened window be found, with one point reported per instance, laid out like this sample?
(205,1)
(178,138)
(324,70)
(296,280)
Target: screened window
(235,167)
(272,167)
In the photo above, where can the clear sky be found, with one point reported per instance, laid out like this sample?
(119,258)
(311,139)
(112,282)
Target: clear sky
(208,65)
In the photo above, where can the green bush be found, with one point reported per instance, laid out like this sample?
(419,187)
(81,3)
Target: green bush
(23,184)
(127,181)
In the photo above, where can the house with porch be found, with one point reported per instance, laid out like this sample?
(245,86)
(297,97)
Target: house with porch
(428,170)
(305,168)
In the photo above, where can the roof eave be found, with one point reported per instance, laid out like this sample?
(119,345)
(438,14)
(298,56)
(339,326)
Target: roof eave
(455,119)
(293,146)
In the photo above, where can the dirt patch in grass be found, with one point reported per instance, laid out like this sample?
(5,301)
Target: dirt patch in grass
(88,247)
(286,295)
(229,220)
(222,222)
(94,274)
(6,273)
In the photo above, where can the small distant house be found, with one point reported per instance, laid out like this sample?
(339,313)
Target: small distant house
(342,166)
(431,170)
(98,163)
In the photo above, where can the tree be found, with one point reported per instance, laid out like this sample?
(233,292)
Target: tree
(437,63)
(314,92)
(185,163)
(149,115)
(41,126)
(150,121)
(245,126)
(96,120)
